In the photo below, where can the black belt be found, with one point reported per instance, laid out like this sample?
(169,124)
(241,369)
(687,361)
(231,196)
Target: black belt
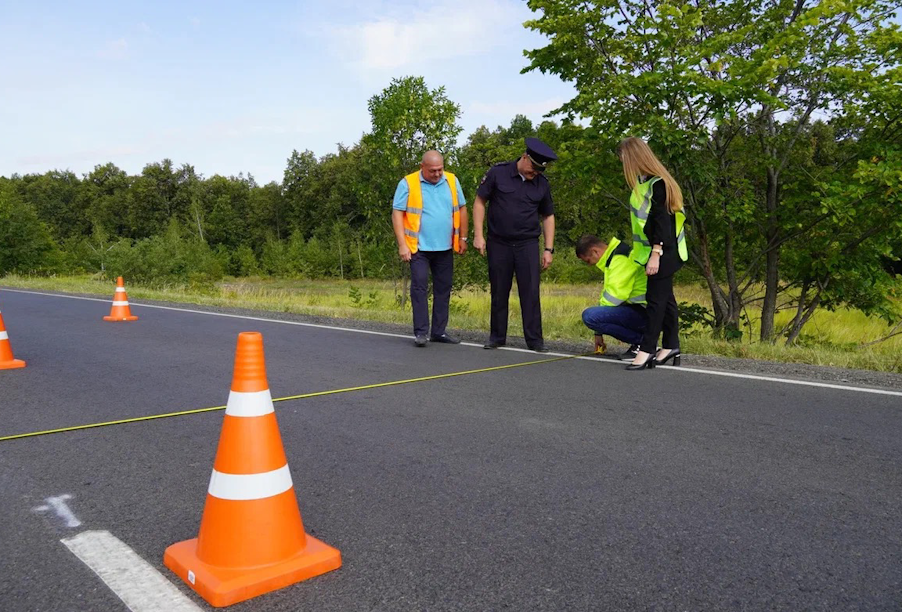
(512,242)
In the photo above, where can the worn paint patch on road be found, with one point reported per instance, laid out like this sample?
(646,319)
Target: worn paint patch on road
(61,509)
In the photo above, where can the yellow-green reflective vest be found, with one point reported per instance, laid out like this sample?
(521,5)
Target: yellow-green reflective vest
(624,280)
(640,206)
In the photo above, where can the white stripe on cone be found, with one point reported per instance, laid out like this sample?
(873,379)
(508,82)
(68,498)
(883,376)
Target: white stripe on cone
(249,404)
(4,335)
(244,487)
(120,303)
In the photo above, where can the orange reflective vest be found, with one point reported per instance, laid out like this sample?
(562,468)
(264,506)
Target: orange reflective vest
(414,211)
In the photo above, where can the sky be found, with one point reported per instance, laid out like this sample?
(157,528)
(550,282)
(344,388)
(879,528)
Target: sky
(233,87)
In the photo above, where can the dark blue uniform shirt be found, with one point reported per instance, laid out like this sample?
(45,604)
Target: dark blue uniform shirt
(515,205)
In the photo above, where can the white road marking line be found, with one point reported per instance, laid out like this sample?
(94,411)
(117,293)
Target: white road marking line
(141,587)
(218,314)
(789,381)
(59,506)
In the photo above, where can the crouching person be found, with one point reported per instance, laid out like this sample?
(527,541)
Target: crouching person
(621,310)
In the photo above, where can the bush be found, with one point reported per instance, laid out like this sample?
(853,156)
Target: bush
(237,262)
(318,260)
(275,258)
(163,259)
(568,268)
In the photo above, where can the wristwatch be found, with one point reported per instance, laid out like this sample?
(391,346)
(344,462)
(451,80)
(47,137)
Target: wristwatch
(550,250)
(464,239)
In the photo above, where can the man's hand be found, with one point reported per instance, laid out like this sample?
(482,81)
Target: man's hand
(546,259)
(462,247)
(479,244)
(651,268)
(404,252)
(600,346)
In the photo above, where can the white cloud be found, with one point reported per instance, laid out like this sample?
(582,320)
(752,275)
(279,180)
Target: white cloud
(115,49)
(144,27)
(446,30)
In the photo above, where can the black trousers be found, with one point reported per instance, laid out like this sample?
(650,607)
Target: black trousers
(663,314)
(505,260)
(441,263)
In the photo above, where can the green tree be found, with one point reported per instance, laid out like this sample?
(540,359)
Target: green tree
(103,192)
(726,92)
(409,119)
(25,241)
(298,184)
(54,196)
(267,214)
(225,203)
(162,192)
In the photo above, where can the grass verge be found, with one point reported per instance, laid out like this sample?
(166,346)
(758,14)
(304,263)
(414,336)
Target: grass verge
(830,339)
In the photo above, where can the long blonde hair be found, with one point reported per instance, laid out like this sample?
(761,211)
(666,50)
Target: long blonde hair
(638,159)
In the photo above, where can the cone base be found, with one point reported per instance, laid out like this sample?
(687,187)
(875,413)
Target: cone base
(221,586)
(131,318)
(12,364)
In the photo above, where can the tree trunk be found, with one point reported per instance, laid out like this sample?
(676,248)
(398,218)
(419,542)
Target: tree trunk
(734,301)
(805,311)
(718,298)
(772,261)
(360,259)
(800,321)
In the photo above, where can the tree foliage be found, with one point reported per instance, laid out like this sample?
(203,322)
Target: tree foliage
(760,109)
(408,119)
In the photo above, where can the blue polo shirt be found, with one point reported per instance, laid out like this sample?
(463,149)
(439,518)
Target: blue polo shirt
(436,223)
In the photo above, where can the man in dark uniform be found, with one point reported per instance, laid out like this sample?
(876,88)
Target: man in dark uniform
(519,195)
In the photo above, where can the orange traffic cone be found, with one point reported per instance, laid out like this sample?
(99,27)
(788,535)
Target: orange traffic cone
(6,351)
(120,310)
(251,538)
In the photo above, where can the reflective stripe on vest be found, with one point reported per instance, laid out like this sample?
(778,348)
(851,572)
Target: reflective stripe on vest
(640,206)
(610,299)
(414,212)
(622,277)
(682,248)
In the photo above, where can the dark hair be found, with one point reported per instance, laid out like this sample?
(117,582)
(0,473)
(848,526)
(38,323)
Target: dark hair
(586,242)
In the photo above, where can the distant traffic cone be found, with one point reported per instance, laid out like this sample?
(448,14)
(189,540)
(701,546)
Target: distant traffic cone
(120,310)
(6,351)
(251,538)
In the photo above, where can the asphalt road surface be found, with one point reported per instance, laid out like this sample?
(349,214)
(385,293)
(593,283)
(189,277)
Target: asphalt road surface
(561,485)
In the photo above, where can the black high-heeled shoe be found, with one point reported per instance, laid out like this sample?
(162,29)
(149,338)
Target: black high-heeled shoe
(673,354)
(648,363)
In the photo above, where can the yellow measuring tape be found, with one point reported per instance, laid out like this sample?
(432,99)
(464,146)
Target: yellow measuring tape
(285,399)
